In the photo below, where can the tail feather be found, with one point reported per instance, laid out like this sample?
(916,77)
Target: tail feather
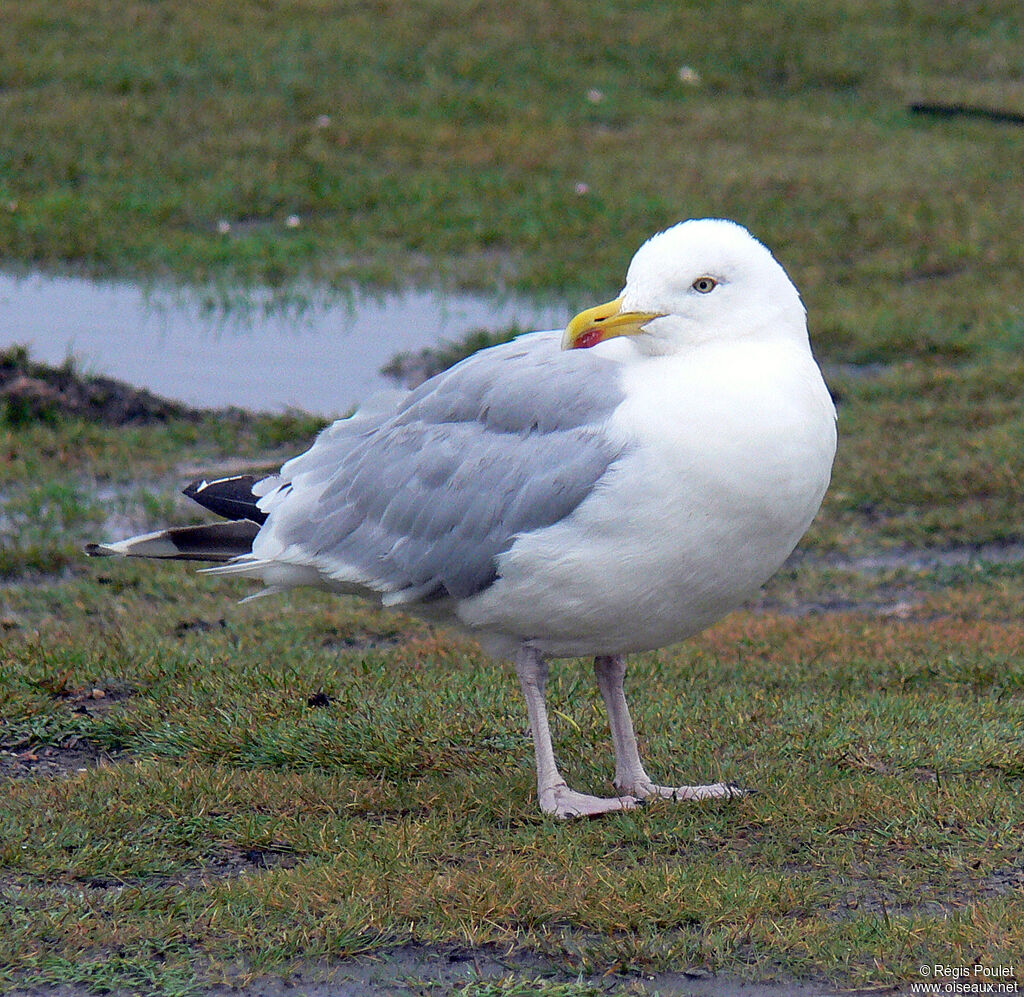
(210,542)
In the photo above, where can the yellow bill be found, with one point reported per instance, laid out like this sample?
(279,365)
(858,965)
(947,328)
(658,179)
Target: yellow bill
(602,322)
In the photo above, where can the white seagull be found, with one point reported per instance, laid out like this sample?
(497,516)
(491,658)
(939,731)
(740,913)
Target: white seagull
(615,488)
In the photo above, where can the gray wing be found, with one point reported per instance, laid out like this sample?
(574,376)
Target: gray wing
(418,500)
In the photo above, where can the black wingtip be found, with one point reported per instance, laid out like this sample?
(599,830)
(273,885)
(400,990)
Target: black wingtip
(230,497)
(193,488)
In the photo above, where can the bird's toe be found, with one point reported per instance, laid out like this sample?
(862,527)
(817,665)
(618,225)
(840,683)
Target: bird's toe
(714,791)
(564,803)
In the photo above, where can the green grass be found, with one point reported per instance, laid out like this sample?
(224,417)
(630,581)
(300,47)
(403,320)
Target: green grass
(929,454)
(236,830)
(887,833)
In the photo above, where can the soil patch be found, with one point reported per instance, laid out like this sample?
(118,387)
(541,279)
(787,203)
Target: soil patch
(930,558)
(361,640)
(30,392)
(234,862)
(899,605)
(75,755)
(230,862)
(878,597)
(197,624)
(54,761)
(1007,880)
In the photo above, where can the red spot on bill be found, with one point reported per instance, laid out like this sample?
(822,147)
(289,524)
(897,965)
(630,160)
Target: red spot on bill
(589,338)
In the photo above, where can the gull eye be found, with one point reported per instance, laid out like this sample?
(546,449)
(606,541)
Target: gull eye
(704,285)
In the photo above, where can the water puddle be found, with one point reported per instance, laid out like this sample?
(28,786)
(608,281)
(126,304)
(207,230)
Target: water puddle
(309,349)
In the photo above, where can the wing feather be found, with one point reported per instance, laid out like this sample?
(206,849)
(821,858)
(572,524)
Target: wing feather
(418,499)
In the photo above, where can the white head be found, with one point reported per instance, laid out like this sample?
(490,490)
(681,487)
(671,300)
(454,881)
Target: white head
(705,279)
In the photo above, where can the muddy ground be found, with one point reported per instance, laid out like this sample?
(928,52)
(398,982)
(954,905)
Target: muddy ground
(427,970)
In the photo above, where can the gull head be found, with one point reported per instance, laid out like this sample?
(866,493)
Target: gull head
(701,280)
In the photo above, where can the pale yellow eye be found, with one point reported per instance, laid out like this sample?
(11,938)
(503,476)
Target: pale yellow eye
(704,285)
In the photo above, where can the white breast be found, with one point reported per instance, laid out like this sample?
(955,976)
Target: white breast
(728,452)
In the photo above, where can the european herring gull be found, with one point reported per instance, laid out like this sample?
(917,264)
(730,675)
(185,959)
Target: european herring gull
(611,489)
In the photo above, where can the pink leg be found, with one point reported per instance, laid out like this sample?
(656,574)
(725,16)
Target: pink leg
(554,795)
(630,776)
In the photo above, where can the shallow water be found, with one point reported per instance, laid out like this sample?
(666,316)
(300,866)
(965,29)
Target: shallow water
(311,350)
